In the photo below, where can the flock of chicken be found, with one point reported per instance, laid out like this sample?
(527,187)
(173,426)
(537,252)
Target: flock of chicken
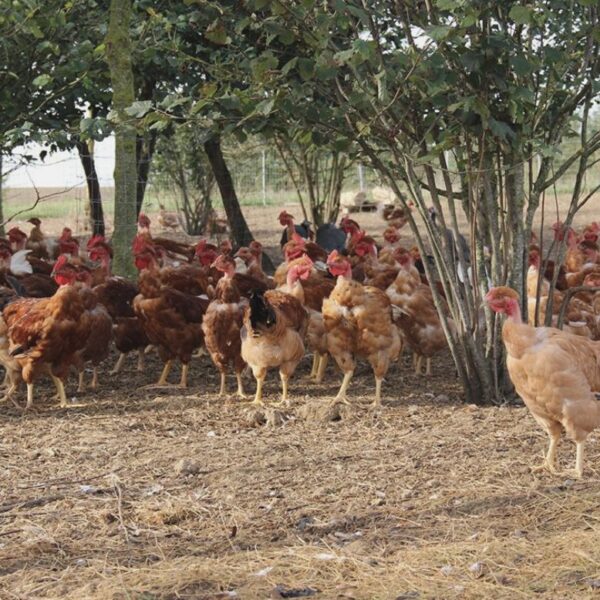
(346,297)
(62,308)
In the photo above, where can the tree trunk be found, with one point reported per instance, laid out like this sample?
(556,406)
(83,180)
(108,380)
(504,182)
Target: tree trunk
(93,185)
(1,198)
(239,228)
(118,55)
(144,150)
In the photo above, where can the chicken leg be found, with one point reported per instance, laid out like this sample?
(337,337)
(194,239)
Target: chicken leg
(428,369)
(378,382)
(284,389)
(579,460)
(222,388)
(184,375)
(60,388)
(81,385)
(141,360)
(258,397)
(94,383)
(315,365)
(119,364)
(549,463)
(29,396)
(165,373)
(341,396)
(9,392)
(240,389)
(322,366)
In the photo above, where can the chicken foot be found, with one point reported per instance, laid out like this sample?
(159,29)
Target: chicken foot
(60,388)
(184,375)
(29,396)
(315,365)
(222,388)
(284,389)
(549,462)
(322,366)
(94,383)
(258,397)
(341,395)
(119,364)
(9,393)
(240,388)
(81,385)
(378,382)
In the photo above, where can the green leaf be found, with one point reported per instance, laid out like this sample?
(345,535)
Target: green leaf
(521,65)
(139,109)
(199,105)
(448,4)
(289,65)
(439,32)
(264,107)
(523,15)
(469,21)
(265,62)
(501,130)
(306,68)
(217,33)
(42,80)
(324,72)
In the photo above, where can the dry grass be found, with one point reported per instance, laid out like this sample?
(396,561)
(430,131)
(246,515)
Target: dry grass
(144,494)
(141,493)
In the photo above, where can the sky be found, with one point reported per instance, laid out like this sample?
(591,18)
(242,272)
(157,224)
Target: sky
(62,169)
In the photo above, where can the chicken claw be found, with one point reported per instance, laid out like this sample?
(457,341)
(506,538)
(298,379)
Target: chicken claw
(545,466)
(240,390)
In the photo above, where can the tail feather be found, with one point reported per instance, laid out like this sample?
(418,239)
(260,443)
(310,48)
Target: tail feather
(16,285)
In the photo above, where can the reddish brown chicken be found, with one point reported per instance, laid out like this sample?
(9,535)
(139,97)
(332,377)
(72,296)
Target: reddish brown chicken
(299,273)
(358,322)
(98,342)
(46,334)
(117,295)
(172,319)
(222,325)
(36,242)
(416,316)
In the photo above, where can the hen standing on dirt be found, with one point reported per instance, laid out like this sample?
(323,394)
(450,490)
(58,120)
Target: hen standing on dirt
(274,327)
(556,373)
(45,334)
(358,322)
(222,325)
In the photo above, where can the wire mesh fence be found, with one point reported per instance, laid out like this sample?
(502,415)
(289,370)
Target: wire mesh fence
(55,190)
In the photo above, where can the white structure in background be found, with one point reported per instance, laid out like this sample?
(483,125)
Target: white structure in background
(61,169)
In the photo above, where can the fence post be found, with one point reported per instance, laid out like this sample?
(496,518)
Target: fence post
(361,178)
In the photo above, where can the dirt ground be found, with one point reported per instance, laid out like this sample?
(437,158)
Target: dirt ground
(153,493)
(145,493)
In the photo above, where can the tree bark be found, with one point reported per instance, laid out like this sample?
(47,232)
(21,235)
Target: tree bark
(93,185)
(1,198)
(239,228)
(144,151)
(118,55)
